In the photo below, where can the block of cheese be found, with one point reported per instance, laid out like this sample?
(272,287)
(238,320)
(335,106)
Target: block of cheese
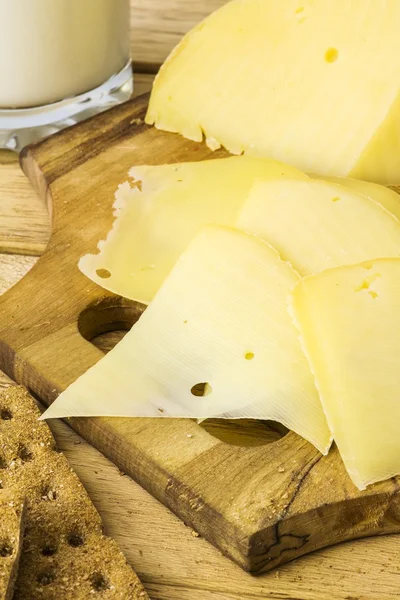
(313,84)
(388,198)
(162,210)
(317,225)
(349,319)
(216,341)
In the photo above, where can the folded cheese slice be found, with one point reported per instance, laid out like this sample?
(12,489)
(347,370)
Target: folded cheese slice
(162,210)
(349,319)
(219,324)
(311,83)
(317,225)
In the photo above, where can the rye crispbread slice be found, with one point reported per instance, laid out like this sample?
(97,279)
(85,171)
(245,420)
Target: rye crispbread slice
(65,556)
(12,517)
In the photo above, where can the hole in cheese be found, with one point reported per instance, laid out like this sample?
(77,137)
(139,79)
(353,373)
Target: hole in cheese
(201,389)
(249,355)
(331,55)
(363,286)
(103,273)
(366,283)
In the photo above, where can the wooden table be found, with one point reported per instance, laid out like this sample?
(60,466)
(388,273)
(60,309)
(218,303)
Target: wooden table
(173,563)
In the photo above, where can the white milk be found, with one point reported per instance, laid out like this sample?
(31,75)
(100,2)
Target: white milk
(54,49)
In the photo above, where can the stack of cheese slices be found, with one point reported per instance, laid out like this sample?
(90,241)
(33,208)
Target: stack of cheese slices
(275,292)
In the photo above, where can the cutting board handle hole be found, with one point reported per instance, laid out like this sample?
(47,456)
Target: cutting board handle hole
(245,432)
(105,322)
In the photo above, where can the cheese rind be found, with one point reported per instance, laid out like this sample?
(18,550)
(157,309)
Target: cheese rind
(349,320)
(314,84)
(219,319)
(386,197)
(160,212)
(318,225)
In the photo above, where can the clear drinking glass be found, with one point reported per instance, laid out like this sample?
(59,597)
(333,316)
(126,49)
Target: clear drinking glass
(61,61)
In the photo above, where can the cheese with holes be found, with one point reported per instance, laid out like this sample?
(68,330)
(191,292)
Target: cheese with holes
(312,83)
(388,198)
(317,225)
(162,210)
(220,320)
(349,319)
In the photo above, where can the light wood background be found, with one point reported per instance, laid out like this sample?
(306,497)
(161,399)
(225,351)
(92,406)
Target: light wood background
(172,562)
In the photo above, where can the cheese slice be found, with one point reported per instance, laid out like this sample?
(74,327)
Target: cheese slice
(311,83)
(349,319)
(317,225)
(162,210)
(388,198)
(220,320)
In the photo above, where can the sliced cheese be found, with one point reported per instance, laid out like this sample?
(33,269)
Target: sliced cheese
(317,225)
(162,210)
(349,319)
(388,198)
(219,320)
(311,83)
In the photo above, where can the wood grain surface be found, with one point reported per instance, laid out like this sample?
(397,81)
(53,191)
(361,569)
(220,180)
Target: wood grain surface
(172,561)
(158,25)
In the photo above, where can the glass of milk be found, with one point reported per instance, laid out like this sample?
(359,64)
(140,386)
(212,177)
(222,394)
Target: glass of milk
(61,61)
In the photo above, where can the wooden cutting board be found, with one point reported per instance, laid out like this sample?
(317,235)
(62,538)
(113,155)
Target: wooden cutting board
(261,503)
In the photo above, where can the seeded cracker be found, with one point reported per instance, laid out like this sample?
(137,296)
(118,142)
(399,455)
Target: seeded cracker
(65,555)
(11,527)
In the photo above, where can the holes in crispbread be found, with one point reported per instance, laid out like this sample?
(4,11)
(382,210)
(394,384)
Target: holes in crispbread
(99,582)
(76,540)
(6,549)
(5,414)
(46,577)
(48,493)
(49,550)
(24,453)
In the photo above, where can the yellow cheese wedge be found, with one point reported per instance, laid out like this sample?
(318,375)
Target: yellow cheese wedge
(388,198)
(349,319)
(312,83)
(317,225)
(159,214)
(219,320)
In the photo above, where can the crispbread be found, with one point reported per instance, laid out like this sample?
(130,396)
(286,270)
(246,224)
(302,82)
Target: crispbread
(12,515)
(65,555)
